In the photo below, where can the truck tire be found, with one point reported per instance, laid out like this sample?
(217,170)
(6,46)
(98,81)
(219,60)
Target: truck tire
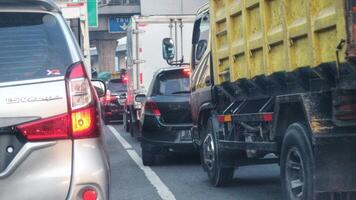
(126,121)
(148,158)
(209,154)
(297,163)
(106,121)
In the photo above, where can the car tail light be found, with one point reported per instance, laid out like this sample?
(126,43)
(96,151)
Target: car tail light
(141,78)
(126,79)
(186,71)
(108,96)
(89,194)
(152,108)
(83,113)
(82,118)
(50,128)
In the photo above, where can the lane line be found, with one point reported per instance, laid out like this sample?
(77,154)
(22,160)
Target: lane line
(163,191)
(124,143)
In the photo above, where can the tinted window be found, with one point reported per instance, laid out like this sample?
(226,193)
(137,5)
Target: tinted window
(32,46)
(172,83)
(117,85)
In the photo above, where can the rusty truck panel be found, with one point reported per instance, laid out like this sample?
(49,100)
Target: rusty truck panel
(262,37)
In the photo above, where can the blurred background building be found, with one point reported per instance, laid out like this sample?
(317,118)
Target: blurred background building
(108,39)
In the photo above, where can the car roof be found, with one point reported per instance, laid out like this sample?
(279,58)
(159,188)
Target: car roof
(167,69)
(45,5)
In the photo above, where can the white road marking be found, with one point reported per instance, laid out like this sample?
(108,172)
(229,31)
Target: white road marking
(163,191)
(124,143)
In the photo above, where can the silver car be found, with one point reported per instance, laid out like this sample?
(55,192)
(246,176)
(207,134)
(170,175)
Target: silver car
(50,127)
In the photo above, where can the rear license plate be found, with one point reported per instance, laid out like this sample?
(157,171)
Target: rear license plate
(185,135)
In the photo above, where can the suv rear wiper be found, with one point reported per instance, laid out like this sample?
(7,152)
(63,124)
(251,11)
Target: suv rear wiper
(180,92)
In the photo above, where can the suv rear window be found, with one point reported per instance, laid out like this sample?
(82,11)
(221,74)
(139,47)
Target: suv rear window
(32,46)
(117,85)
(172,83)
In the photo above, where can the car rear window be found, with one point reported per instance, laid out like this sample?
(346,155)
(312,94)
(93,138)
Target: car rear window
(117,85)
(32,46)
(172,83)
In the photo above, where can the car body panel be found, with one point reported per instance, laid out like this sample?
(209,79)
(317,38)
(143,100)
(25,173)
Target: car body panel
(44,170)
(45,173)
(171,129)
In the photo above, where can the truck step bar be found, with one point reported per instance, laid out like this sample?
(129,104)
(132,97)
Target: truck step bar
(262,161)
(237,145)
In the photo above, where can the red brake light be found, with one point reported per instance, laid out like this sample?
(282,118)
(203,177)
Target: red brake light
(89,194)
(81,119)
(151,107)
(108,96)
(267,117)
(186,71)
(126,79)
(83,113)
(46,129)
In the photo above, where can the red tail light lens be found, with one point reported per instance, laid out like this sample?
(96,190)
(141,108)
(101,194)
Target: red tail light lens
(81,121)
(346,112)
(108,96)
(152,108)
(186,72)
(46,129)
(84,116)
(89,194)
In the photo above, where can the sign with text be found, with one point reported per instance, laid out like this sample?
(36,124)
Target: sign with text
(92,7)
(118,24)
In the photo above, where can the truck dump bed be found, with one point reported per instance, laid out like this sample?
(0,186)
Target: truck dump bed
(261,37)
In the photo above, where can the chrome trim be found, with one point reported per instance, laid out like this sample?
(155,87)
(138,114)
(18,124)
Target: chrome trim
(25,151)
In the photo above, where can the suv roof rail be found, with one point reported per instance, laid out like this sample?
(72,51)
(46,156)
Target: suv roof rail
(47,5)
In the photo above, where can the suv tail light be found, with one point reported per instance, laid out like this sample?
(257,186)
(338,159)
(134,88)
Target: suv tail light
(82,118)
(152,108)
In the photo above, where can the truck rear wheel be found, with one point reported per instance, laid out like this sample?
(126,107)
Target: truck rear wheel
(126,121)
(297,164)
(218,176)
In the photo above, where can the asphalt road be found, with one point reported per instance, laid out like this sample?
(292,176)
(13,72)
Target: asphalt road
(179,177)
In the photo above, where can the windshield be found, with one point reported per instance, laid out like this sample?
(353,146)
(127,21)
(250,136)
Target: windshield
(32,46)
(172,83)
(117,85)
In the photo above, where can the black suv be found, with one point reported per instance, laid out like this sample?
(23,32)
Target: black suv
(166,116)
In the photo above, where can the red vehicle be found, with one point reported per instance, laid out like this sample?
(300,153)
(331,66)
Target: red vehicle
(113,103)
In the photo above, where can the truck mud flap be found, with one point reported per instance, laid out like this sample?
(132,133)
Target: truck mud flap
(335,170)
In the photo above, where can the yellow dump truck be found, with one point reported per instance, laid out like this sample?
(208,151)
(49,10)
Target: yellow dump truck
(274,81)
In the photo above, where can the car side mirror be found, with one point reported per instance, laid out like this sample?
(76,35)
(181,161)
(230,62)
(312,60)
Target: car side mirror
(168,49)
(140,97)
(100,87)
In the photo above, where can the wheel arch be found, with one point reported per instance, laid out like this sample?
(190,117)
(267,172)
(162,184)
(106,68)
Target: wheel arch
(204,114)
(287,112)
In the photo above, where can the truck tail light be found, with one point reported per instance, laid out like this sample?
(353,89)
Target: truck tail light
(224,118)
(346,112)
(152,108)
(82,118)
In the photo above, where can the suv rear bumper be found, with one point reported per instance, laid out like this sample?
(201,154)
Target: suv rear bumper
(91,169)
